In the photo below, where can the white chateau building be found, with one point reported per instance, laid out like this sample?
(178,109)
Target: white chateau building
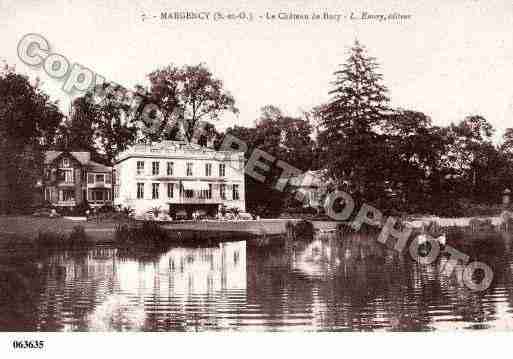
(180,178)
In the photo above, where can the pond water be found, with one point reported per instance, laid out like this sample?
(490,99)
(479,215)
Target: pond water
(323,284)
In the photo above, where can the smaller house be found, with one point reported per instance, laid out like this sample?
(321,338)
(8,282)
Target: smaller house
(72,178)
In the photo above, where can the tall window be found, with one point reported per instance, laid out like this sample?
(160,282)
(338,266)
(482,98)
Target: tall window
(68,176)
(189,168)
(235,192)
(67,195)
(99,195)
(155,191)
(222,191)
(90,178)
(140,167)
(140,190)
(108,178)
(206,193)
(170,190)
(155,169)
(222,169)
(65,162)
(208,169)
(170,166)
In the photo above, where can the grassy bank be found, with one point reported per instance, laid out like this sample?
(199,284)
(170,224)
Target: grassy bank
(52,231)
(28,229)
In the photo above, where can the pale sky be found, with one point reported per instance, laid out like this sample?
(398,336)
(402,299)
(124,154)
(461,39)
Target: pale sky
(451,59)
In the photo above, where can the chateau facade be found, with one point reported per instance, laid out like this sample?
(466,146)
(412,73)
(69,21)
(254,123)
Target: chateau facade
(179,178)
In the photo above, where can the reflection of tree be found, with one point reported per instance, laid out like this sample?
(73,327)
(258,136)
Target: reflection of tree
(480,307)
(20,285)
(76,281)
(354,283)
(346,283)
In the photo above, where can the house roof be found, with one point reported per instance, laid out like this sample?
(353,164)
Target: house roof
(169,149)
(83,157)
(97,167)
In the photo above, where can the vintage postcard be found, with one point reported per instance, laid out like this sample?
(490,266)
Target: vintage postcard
(271,166)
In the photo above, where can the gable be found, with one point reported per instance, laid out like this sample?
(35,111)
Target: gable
(57,158)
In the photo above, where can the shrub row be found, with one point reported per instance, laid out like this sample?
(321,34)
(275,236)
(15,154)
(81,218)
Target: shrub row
(49,238)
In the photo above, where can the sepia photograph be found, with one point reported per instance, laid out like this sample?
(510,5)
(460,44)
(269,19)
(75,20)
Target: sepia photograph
(253,167)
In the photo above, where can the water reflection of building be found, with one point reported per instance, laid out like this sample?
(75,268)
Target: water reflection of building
(188,271)
(350,283)
(185,287)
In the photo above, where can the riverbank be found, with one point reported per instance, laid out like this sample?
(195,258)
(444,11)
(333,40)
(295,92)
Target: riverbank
(451,222)
(27,228)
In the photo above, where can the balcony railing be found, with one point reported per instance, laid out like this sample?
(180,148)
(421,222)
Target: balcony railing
(64,183)
(99,203)
(198,200)
(215,198)
(99,185)
(70,203)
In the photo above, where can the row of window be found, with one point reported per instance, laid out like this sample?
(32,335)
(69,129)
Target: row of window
(67,176)
(62,195)
(99,178)
(155,169)
(207,193)
(67,195)
(64,175)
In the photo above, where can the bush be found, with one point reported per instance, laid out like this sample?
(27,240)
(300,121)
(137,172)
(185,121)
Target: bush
(122,233)
(155,211)
(300,230)
(234,210)
(128,211)
(107,208)
(481,225)
(116,217)
(53,239)
(304,228)
(50,238)
(81,209)
(78,235)
(149,233)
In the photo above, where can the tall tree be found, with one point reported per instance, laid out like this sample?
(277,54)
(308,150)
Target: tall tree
(284,137)
(348,131)
(103,125)
(507,141)
(78,131)
(186,96)
(116,125)
(471,149)
(413,158)
(28,125)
